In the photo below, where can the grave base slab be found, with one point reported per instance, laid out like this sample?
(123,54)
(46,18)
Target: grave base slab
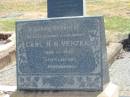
(111,90)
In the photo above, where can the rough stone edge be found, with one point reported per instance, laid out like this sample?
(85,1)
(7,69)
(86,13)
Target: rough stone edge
(113,50)
(8,52)
(111,90)
(54,94)
(7,58)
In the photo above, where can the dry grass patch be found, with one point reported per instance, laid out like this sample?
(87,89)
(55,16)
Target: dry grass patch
(109,7)
(22,5)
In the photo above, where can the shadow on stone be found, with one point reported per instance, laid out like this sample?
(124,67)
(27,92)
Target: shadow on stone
(126,44)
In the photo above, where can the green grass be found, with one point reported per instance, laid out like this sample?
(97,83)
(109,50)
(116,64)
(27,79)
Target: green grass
(18,6)
(109,9)
(118,24)
(7,24)
(116,13)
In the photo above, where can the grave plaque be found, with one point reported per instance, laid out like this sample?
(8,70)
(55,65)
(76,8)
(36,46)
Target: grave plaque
(63,8)
(60,54)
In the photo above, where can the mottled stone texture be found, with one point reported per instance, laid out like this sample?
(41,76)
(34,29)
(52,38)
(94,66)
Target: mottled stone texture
(62,8)
(61,54)
(54,94)
(111,90)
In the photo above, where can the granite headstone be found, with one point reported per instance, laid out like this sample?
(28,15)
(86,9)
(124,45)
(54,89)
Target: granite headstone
(64,8)
(61,54)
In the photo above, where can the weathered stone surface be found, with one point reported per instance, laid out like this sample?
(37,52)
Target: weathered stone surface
(111,90)
(120,73)
(61,54)
(8,75)
(7,53)
(54,94)
(63,8)
(113,50)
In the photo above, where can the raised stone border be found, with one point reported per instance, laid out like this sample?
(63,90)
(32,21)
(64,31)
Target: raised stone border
(111,90)
(113,50)
(7,52)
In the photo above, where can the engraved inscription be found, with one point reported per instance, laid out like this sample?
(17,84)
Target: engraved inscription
(64,53)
